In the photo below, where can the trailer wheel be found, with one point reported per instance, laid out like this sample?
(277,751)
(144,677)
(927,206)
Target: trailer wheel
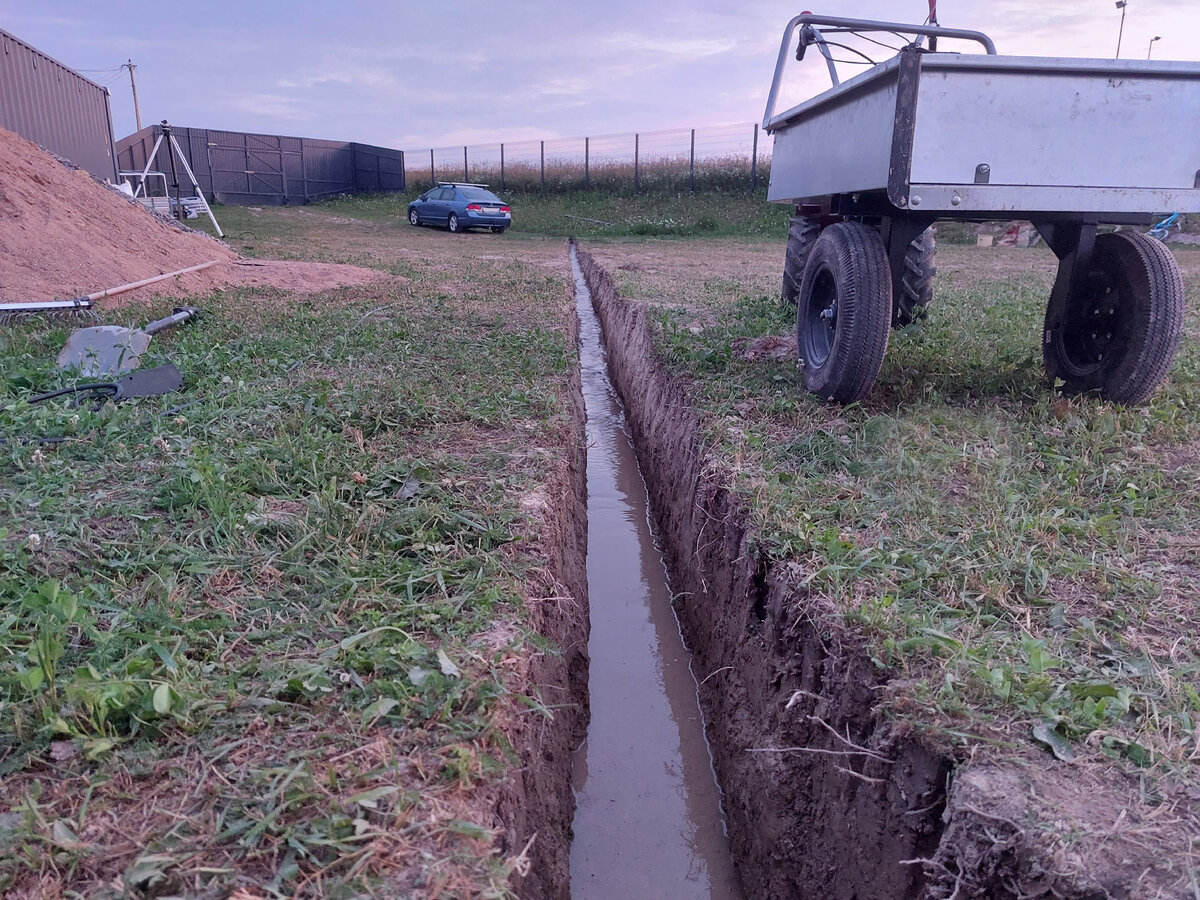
(915,290)
(802,232)
(843,312)
(1119,337)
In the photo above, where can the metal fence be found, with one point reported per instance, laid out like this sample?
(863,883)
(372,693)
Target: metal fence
(727,157)
(45,102)
(238,167)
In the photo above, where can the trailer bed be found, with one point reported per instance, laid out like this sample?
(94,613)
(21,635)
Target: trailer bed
(970,134)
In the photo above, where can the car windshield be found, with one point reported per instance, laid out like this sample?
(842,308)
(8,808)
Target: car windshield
(474,193)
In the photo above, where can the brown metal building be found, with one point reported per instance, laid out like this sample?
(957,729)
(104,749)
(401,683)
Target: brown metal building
(45,102)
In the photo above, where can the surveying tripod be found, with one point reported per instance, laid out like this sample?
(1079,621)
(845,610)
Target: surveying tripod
(172,149)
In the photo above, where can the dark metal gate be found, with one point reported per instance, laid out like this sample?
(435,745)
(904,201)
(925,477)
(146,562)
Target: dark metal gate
(239,167)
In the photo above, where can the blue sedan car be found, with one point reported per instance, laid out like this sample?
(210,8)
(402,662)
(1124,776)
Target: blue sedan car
(460,206)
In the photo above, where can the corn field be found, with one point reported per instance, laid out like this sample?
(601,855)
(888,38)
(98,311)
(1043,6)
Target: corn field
(718,158)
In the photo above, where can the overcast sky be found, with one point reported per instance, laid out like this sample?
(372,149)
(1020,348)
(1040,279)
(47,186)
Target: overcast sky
(414,75)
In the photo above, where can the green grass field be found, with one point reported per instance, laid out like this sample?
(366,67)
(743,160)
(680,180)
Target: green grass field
(1025,562)
(258,635)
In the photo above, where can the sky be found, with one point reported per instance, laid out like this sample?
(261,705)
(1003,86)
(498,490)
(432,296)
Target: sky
(413,75)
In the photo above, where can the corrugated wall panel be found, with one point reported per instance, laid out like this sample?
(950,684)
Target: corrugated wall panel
(47,103)
(238,167)
(378,169)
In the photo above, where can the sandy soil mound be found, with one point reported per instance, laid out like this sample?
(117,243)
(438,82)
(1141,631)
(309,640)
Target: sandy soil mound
(63,234)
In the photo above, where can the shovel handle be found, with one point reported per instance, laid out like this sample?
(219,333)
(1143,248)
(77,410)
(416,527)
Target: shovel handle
(120,289)
(181,314)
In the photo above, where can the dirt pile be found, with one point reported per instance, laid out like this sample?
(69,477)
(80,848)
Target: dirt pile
(64,234)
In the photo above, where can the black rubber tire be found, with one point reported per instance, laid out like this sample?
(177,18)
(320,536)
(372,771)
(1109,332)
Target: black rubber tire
(802,232)
(844,311)
(497,229)
(1119,338)
(915,290)
(453,224)
(413,217)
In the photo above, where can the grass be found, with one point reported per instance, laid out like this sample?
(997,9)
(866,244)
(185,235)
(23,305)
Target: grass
(259,636)
(601,213)
(1023,563)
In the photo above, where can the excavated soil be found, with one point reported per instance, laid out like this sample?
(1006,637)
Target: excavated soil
(824,797)
(64,234)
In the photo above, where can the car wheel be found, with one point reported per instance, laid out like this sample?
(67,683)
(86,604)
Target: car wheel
(1120,334)
(844,310)
(413,218)
(452,223)
(497,229)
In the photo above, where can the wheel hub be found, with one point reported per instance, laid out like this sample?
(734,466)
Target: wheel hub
(822,312)
(1088,339)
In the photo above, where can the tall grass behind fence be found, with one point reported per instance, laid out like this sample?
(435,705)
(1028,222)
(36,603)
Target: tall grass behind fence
(717,158)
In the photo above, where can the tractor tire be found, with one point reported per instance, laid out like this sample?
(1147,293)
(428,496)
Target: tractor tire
(915,290)
(802,232)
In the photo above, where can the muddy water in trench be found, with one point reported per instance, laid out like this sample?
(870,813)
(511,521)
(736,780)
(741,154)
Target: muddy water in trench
(648,823)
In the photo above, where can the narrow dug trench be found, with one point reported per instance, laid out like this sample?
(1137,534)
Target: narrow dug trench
(833,820)
(823,797)
(648,820)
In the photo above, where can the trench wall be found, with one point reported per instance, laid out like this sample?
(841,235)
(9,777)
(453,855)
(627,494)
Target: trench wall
(837,819)
(536,806)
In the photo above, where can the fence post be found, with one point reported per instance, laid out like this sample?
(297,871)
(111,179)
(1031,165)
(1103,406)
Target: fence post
(692,165)
(432,176)
(754,162)
(543,165)
(466,175)
(587,178)
(208,145)
(635,162)
(501,167)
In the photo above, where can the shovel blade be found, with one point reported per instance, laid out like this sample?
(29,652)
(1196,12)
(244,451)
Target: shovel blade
(150,382)
(102,351)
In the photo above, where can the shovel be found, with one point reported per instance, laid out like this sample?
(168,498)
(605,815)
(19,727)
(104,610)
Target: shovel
(107,350)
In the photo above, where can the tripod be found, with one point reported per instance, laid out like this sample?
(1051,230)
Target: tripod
(172,149)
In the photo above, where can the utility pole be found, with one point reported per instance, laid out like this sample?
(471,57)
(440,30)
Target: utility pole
(1121,7)
(137,112)
(1150,46)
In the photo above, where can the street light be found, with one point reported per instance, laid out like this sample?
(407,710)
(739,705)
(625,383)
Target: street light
(1150,46)
(1121,7)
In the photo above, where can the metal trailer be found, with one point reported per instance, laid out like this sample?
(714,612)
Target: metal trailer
(1069,144)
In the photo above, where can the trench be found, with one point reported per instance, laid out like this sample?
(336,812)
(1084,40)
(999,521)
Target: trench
(825,796)
(648,820)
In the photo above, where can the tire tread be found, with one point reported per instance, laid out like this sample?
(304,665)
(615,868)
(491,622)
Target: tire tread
(915,290)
